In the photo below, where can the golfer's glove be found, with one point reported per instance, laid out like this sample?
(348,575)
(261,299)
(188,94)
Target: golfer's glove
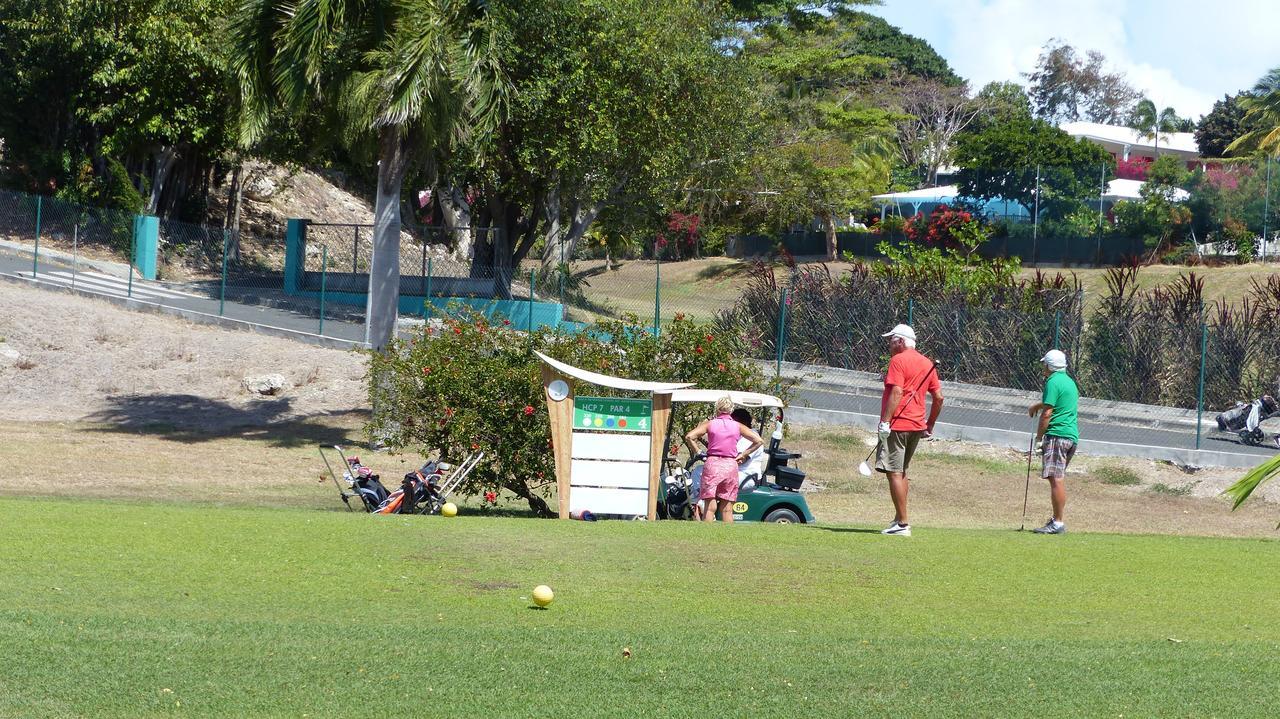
(882,432)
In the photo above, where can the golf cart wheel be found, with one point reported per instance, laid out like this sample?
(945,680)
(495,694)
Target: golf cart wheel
(1251,438)
(782,515)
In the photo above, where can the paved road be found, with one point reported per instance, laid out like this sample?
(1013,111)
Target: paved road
(1018,422)
(264,306)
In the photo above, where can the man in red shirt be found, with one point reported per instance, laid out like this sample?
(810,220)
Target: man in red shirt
(902,421)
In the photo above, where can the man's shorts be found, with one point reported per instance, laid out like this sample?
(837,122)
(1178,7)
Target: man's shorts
(719,479)
(1057,453)
(895,453)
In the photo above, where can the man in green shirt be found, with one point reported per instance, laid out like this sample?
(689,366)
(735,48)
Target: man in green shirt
(1057,433)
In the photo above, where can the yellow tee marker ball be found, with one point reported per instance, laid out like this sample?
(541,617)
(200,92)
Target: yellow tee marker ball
(449,509)
(542,595)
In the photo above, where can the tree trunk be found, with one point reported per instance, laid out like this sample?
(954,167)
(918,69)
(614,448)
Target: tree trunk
(384,272)
(164,160)
(829,227)
(231,223)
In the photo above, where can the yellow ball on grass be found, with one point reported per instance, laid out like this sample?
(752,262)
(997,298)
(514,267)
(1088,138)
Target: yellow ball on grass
(542,595)
(449,509)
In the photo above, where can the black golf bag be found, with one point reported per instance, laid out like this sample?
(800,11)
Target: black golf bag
(1244,418)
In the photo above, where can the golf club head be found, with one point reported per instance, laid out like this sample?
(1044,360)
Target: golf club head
(864,469)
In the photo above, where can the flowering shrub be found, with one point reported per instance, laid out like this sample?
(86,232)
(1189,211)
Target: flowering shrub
(939,228)
(1135,169)
(474,384)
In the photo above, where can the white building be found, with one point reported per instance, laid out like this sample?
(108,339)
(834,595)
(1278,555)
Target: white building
(1125,143)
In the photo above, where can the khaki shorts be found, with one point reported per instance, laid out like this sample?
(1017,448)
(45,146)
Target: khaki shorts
(895,453)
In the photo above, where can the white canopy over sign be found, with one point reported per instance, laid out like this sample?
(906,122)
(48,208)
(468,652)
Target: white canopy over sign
(604,380)
(745,399)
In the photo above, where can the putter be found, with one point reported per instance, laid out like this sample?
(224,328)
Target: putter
(1031,448)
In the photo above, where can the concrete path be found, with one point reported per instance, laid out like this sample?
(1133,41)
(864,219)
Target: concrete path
(260,309)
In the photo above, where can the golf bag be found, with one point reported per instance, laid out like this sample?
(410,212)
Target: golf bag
(1244,418)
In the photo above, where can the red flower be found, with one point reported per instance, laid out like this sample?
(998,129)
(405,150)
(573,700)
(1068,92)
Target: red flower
(457,330)
(698,349)
(475,446)
(426,370)
(506,322)
(720,366)
(709,339)
(491,497)
(528,410)
(448,411)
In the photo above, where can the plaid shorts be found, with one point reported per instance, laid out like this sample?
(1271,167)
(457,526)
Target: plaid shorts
(1057,453)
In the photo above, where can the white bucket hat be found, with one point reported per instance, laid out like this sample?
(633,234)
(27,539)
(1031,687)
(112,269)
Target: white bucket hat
(1054,360)
(903,331)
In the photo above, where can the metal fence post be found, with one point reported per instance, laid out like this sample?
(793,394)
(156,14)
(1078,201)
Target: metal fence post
(1057,329)
(657,292)
(226,250)
(782,331)
(355,249)
(75,250)
(133,251)
(1266,210)
(911,309)
(1204,346)
(324,274)
(532,278)
(1035,224)
(35,256)
(1102,193)
(426,303)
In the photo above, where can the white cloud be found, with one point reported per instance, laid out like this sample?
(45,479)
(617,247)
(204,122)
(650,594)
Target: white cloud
(1168,49)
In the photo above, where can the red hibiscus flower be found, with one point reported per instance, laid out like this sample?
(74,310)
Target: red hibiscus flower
(528,410)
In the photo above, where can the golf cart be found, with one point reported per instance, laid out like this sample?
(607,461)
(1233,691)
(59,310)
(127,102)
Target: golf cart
(770,495)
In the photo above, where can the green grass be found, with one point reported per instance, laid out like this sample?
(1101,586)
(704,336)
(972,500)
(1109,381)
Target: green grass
(1181,491)
(126,610)
(1118,476)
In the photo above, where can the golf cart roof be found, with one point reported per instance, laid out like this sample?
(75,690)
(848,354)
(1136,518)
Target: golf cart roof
(604,380)
(743,399)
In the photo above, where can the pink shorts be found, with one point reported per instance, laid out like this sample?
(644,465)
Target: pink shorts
(719,479)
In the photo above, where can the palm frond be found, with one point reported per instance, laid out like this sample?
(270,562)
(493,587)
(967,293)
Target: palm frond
(1264,472)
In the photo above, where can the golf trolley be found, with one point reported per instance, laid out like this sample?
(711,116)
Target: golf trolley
(1245,419)
(422,491)
(771,494)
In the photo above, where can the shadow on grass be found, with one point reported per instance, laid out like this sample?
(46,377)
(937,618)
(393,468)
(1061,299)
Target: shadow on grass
(189,419)
(845,530)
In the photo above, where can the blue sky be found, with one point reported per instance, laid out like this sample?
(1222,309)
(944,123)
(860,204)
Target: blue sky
(1181,53)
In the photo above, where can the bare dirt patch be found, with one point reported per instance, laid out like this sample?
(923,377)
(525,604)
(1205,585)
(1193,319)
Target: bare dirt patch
(971,485)
(81,359)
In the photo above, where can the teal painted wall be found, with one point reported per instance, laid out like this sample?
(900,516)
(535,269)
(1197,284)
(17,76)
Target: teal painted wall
(146,242)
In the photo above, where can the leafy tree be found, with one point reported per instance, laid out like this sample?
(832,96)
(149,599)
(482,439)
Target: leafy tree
(1150,123)
(140,82)
(1159,217)
(1005,161)
(1000,103)
(915,57)
(616,105)
(824,144)
(1221,127)
(400,75)
(1066,87)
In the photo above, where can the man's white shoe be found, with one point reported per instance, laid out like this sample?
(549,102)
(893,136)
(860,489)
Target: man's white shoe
(897,530)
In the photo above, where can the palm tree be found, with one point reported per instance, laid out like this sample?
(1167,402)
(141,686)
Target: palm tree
(408,76)
(1262,113)
(1150,123)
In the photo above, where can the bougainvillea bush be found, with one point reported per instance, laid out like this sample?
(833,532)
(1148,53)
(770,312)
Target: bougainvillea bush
(470,384)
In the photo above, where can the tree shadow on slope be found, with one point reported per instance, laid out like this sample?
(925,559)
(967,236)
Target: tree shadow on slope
(189,419)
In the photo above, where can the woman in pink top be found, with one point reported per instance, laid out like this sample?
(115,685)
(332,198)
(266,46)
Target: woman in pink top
(720,472)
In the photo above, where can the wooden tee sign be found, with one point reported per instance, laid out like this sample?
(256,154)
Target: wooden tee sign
(608,450)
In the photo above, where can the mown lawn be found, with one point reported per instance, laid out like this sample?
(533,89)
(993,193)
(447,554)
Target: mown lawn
(134,610)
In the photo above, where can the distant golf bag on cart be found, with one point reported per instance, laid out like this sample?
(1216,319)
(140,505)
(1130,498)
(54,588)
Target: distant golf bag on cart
(422,491)
(1245,419)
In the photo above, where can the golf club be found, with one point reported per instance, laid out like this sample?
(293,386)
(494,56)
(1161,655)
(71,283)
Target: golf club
(1031,448)
(865,469)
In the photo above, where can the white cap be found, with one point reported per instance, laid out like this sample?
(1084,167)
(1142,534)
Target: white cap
(1055,360)
(903,331)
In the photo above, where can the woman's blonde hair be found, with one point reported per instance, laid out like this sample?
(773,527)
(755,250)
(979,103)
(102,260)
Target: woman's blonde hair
(724,405)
